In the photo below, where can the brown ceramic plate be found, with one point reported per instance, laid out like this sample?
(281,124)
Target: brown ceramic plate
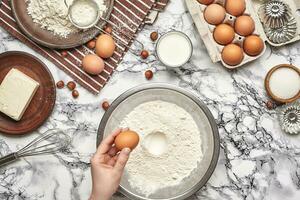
(43,101)
(47,38)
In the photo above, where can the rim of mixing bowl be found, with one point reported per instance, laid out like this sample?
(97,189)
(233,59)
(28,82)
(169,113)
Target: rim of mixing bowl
(204,108)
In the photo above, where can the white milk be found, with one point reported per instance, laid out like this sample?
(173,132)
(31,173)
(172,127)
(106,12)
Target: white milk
(285,83)
(174,49)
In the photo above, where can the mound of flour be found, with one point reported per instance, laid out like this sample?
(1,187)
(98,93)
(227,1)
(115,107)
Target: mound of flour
(52,15)
(148,172)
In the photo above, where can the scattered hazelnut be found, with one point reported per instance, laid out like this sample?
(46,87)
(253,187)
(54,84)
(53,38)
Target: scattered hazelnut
(71,85)
(149,74)
(64,53)
(144,54)
(108,29)
(60,84)
(105,105)
(154,36)
(91,44)
(75,93)
(270,105)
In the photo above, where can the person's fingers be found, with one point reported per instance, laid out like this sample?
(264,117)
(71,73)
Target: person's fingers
(105,145)
(112,161)
(113,151)
(122,160)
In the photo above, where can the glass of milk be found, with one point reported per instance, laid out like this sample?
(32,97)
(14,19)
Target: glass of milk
(174,49)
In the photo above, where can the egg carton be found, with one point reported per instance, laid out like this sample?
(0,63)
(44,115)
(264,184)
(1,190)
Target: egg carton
(206,30)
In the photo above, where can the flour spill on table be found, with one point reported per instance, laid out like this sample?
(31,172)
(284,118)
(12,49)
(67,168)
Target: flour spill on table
(150,169)
(52,15)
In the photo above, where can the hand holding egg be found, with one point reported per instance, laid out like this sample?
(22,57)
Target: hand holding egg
(127,139)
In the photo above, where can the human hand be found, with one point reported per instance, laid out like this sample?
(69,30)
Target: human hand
(107,167)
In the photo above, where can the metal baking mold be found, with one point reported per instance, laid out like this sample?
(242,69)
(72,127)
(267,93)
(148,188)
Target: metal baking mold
(274,14)
(289,117)
(284,33)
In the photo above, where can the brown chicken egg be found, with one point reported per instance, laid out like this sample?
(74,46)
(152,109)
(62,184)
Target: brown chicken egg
(127,139)
(232,54)
(244,25)
(206,2)
(105,46)
(253,45)
(92,64)
(235,7)
(214,14)
(223,34)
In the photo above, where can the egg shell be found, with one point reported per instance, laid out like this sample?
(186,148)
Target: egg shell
(235,7)
(223,34)
(214,14)
(92,64)
(244,25)
(127,139)
(205,2)
(105,46)
(232,54)
(253,45)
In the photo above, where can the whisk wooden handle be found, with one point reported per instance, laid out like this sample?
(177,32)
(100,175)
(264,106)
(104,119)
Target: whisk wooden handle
(7,159)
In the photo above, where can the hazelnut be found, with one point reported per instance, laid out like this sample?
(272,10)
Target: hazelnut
(108,29)
(75,93)
(154,36)
(60,84)
(71,85)
(105,105)
(91,44)
(64,53)
(270,105)
(149,74)
(144,54)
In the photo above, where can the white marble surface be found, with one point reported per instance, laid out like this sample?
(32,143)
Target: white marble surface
(257,160)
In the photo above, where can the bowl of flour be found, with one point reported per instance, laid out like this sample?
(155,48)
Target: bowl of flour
(179,141)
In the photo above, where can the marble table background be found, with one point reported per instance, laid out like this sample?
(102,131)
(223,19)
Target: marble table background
(257,160)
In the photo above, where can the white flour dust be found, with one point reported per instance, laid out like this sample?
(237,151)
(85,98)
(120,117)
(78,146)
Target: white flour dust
(152,165)
(52,15)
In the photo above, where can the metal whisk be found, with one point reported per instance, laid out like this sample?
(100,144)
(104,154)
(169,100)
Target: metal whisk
(50,142)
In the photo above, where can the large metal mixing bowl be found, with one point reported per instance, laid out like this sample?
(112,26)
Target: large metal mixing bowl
(201,114)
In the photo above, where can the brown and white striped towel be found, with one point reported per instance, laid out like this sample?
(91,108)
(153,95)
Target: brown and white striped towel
(128,14)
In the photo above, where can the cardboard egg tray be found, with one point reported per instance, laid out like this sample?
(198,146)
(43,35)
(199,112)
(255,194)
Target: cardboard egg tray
(206,30)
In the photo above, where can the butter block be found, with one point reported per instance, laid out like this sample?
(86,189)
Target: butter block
(16,91)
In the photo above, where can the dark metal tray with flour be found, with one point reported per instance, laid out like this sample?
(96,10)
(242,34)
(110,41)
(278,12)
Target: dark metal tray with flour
(43,102)
(49,39)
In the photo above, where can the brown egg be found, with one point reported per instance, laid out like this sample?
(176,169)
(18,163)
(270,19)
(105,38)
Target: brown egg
(206,2)
(223,34)
(232,54)
(235,7)
(105,46)
(253,45)
(127,139)
(214,14)
(244,25)
(92,64)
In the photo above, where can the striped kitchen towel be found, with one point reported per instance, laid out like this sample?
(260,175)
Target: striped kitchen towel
(128,14)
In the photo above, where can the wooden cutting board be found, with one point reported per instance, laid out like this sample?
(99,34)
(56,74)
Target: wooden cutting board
(43,101)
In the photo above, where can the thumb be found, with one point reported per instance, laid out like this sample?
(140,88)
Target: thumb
(122,160)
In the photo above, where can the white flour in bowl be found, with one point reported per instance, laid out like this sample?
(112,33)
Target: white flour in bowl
(169,148)
(52,15)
